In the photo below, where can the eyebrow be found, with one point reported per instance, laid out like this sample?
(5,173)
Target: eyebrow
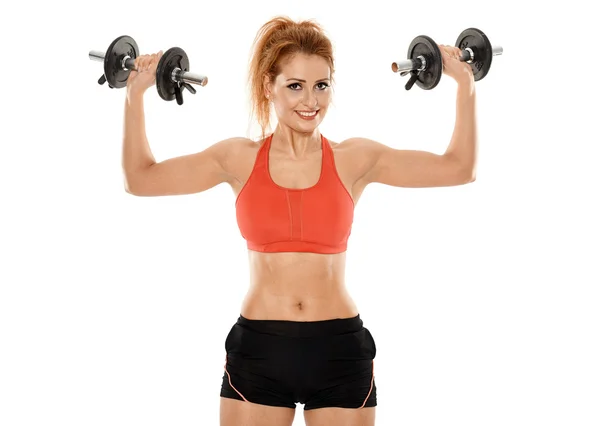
(304,81)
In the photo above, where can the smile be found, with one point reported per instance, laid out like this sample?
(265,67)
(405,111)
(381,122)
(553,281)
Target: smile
(307,115)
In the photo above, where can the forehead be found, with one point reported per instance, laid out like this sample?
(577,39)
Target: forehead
(306,67)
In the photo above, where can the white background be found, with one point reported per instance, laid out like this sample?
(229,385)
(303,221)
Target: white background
(483,299)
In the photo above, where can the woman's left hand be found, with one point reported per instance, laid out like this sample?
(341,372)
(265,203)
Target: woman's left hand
(453,66)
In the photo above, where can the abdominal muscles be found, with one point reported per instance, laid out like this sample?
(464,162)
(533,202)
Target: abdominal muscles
(297,287)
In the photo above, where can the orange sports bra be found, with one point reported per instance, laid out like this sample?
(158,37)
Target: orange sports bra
(272,218)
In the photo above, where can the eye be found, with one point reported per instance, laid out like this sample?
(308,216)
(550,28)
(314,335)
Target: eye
(322,84)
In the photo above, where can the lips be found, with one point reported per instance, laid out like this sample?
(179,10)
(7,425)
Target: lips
(309,117)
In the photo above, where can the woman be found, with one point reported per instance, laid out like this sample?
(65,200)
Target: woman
(299,337)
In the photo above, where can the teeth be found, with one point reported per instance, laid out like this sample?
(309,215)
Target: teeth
(306,114)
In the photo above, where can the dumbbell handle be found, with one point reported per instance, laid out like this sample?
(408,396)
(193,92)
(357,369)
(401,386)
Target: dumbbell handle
(178,74)
(415,64)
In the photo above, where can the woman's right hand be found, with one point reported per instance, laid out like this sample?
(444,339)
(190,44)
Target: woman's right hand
(144,75)
(452,65)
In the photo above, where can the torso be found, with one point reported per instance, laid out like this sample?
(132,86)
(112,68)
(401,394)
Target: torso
(298,286)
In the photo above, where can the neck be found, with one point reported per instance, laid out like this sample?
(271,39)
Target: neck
(295,144)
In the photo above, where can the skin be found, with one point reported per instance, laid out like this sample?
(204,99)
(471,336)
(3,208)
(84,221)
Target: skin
(298,286)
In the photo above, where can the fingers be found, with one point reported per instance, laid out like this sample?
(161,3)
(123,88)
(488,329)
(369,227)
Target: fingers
(452,63)
(144,63)
(450,51)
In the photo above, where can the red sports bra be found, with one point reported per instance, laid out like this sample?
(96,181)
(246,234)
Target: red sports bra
(272,218)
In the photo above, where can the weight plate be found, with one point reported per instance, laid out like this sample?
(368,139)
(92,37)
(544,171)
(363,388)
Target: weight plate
(482,50)
(426,47)
(113,60)
(173,58)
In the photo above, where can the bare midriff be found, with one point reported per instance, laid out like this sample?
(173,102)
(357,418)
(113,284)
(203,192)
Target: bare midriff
(297,287)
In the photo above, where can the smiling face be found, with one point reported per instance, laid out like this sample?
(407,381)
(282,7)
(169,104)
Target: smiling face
(301,93)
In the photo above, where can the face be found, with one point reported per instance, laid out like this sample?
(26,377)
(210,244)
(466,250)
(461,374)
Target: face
(302,87)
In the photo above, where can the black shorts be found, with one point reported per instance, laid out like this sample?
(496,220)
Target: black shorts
(319,363)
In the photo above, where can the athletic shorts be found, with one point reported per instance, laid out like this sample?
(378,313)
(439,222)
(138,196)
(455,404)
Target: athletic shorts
(319,364)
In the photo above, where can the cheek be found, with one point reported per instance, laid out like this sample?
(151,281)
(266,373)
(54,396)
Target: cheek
(285,106)
(326,96)
(290,103)
(292,99)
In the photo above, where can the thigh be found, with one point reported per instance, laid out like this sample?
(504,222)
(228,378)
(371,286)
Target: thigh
(340,417)
(346,377)
(240,413)
(254,390)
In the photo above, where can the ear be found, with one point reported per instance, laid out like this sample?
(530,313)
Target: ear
(267,86)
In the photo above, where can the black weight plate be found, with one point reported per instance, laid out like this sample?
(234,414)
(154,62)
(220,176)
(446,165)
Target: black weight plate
(426,47)
(113,60)
(482,49)
(173,58)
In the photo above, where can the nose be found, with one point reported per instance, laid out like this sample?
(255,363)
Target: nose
(310,100)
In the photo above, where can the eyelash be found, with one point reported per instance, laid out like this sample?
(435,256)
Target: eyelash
(297,84)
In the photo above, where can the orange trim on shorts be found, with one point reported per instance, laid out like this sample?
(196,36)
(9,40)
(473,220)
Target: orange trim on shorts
(362,406)
(370,390)
(225,366)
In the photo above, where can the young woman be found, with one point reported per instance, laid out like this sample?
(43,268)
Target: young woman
(299,336)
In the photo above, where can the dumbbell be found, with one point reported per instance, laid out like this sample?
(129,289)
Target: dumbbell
(172,72)
(424,61)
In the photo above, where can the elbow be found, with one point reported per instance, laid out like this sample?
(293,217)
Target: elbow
(138,190)
(129,189)
(466,175)
(469,176)
(136,179)
(133,185)
(462,172)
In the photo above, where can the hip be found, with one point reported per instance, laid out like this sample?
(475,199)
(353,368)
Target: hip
(302,342)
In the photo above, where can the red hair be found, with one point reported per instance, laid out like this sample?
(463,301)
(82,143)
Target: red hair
(280,39)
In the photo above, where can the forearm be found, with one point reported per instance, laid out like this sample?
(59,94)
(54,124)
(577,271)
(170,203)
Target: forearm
(463,145)
(136,150)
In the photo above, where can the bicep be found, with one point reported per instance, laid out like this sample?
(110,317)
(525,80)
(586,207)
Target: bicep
(414,168)
(187,174)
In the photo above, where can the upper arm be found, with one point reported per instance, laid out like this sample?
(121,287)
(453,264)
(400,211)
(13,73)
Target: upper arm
(187,174)
(411,168)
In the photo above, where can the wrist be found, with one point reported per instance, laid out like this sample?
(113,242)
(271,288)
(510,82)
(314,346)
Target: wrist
(466,84)
(135,96)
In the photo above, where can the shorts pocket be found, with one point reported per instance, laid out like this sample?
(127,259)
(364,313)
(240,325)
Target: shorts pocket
(370,343)
(229,340)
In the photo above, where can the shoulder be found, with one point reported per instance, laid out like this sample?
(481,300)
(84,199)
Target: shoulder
(237,155)
(238,143)
(357,145)
(232,148)
(358,149)
(356,154)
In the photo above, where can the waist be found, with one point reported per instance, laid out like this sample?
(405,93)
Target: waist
(318,328)
(296,269)
(264,305)
(297,287)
